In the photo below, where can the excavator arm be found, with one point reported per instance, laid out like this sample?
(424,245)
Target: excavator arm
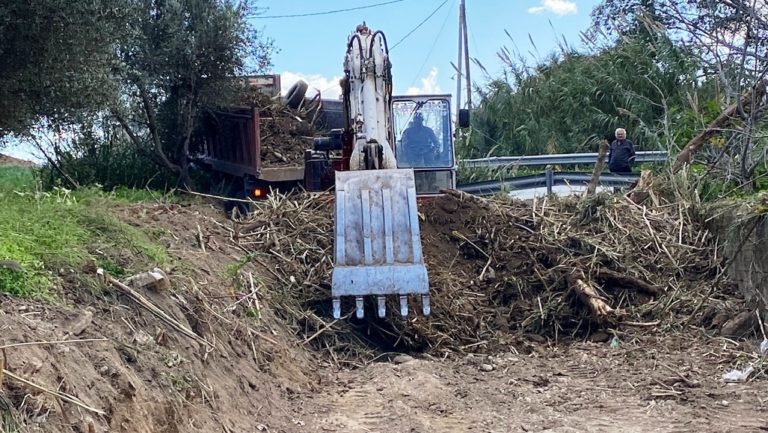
(377,237)
(368,95)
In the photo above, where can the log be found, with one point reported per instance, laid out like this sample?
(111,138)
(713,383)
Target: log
(601,154)
(685,156)
(591,298)
(642,190)
(615,278)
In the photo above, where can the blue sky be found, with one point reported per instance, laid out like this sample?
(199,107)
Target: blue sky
(312,47)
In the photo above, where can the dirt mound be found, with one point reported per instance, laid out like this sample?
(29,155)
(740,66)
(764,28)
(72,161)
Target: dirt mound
(498,268)
(141,374)
(7,160)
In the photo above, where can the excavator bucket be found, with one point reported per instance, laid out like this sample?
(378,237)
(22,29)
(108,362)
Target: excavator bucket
(378,243)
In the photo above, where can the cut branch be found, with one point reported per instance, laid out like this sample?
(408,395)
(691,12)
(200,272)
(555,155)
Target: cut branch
(751,98)
(598,167)
(621,280)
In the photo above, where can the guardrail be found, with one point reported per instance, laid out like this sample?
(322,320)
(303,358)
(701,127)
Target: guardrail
(548,180)
(556,159)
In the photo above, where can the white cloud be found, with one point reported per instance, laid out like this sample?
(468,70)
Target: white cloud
(328,87)
(429,85)
(557,7)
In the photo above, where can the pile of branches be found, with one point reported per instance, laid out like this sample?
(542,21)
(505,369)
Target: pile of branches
(285,132)
(559,268)
(291,239)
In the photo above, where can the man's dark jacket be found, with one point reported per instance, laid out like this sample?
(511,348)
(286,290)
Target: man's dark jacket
(621,157)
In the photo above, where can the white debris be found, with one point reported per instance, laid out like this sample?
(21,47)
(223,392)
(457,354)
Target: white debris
(738,376)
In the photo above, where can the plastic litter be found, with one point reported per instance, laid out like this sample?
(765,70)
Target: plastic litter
(738,376)
(764,347)
(614,342)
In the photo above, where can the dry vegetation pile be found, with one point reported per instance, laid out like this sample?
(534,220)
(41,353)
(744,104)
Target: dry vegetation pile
(559,268)
(285,132)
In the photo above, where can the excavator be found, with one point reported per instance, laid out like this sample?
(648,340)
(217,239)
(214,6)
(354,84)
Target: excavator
(381,154)
(378,249)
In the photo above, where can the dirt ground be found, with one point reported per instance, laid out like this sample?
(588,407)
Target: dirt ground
(262,375)
(647,385)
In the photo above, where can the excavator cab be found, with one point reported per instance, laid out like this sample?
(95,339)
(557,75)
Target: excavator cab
(423,141)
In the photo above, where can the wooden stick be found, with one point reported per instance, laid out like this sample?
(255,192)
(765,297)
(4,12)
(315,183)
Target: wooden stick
(40,343)
(200,238)
(2,367)
(61,395)
(152,308)
(317,334)
(627,281)
(218,197)
(592,187)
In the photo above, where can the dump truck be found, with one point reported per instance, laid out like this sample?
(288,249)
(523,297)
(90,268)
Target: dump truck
(379,154)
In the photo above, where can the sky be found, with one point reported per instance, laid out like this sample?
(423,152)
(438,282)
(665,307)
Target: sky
(312,47)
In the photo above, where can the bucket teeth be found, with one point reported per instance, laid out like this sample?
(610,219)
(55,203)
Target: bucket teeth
(381,302)
(403,305)
(426,309)
(359,311)
(336,308)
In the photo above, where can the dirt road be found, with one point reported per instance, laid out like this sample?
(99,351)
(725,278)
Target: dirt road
(651,385)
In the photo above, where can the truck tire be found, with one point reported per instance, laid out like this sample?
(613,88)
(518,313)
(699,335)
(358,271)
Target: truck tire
(296,94)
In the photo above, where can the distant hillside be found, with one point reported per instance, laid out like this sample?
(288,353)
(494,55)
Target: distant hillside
(6,160)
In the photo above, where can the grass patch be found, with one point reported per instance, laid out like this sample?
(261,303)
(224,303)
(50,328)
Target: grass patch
(44,231)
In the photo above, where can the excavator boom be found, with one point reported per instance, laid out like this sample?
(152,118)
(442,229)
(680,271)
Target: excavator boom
(377,237)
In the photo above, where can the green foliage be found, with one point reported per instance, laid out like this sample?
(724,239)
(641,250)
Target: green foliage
(569,102)
(61,229)
(112,91)
(57,59)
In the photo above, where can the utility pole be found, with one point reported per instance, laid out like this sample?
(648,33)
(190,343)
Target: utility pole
(465,34)
(463,59)
(459,61)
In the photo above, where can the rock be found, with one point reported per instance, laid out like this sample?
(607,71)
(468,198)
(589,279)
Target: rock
(155,279)
(486,367)
(82,322)
(142,338)
(402,359)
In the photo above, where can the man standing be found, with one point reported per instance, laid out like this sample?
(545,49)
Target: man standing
(622,154)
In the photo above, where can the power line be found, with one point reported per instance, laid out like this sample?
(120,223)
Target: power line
(432,48)
(419,25)
(311,14)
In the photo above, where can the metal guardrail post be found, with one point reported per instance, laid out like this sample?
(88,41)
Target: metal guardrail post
(550,179)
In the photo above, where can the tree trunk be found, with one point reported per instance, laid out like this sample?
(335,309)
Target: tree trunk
(643,189)
(603,151)
(753,96)
(149,110)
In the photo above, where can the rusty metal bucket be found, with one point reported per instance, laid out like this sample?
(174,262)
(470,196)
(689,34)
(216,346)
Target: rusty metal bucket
(377,240)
